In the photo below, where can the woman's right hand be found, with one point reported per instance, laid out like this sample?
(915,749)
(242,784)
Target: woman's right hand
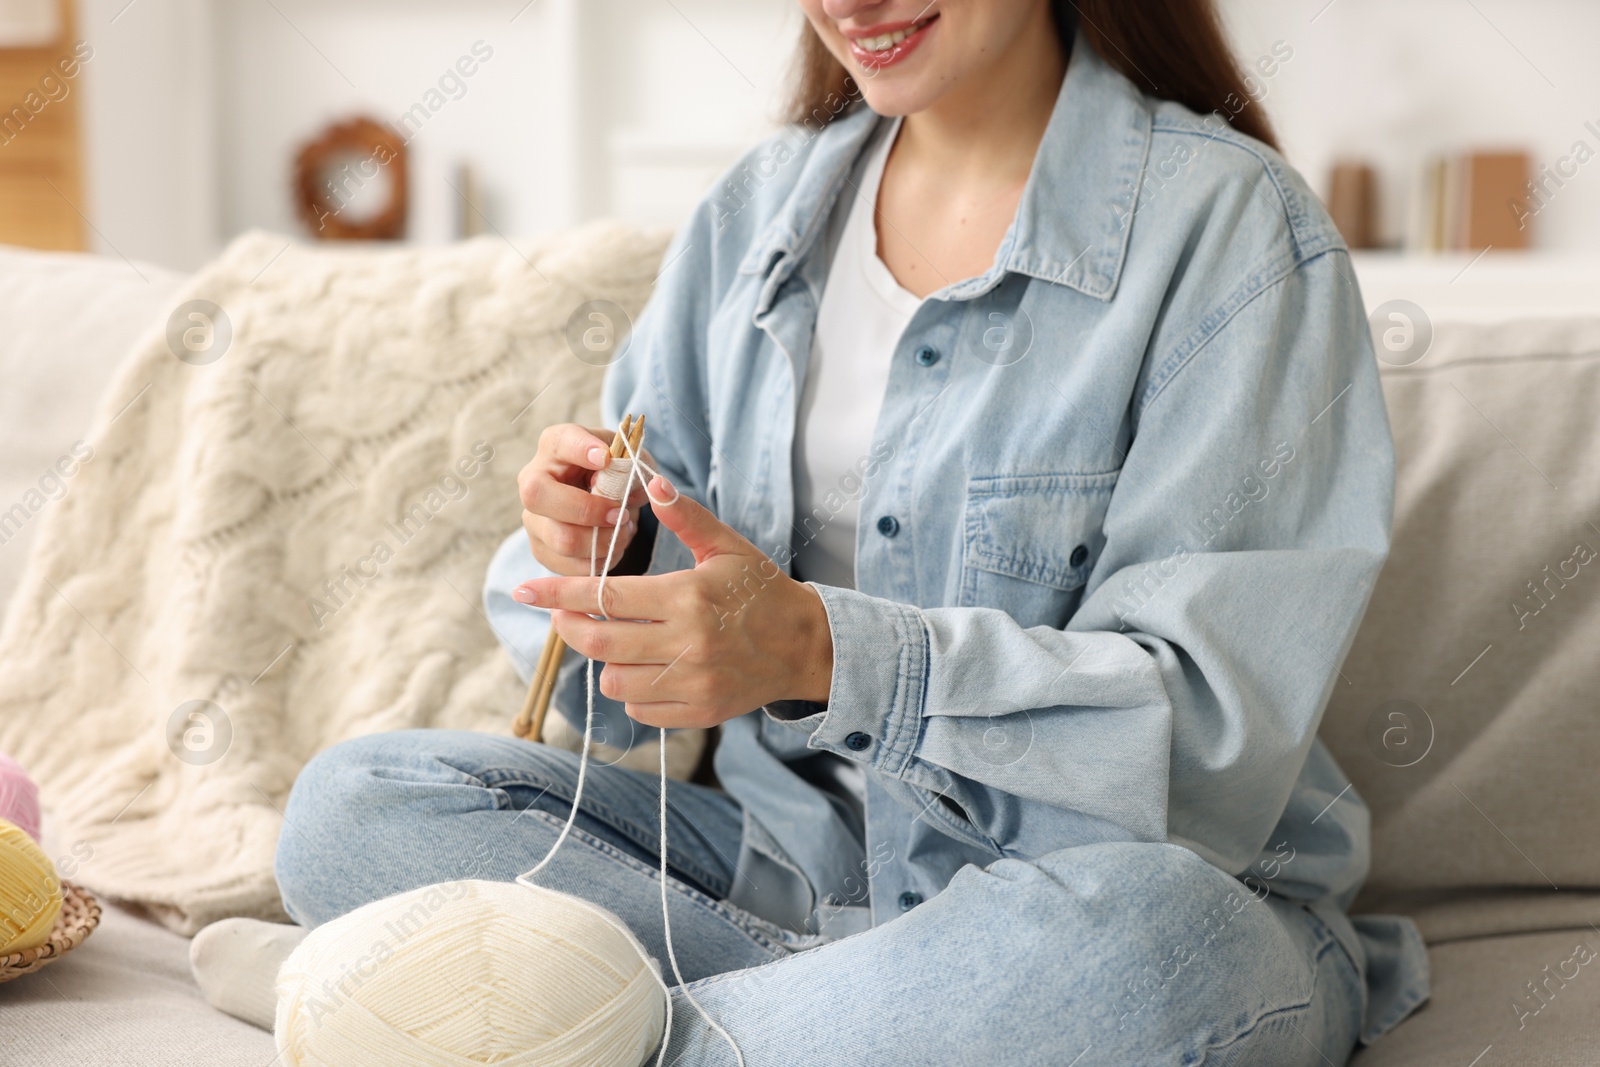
(559,512)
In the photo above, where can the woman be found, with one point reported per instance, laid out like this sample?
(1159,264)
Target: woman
(1034,478)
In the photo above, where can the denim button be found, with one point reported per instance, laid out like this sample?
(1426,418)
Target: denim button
(1080,554)
(927,355)
(858,741)
(909,900)
(888,526)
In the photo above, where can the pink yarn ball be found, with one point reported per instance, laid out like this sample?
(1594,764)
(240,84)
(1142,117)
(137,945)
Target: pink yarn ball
(19,797)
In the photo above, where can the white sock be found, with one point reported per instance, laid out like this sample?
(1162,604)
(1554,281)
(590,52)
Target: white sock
(236,963)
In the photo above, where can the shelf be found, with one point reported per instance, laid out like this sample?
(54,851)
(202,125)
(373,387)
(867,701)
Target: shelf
(1494,287)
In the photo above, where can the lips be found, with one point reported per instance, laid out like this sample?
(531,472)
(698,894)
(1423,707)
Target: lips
(885,46)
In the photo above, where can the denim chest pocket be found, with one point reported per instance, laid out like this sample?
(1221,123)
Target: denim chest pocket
(1031,542)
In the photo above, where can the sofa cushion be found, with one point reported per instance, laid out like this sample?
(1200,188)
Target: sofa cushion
(69,319)
(1465,711)
(1484,1013)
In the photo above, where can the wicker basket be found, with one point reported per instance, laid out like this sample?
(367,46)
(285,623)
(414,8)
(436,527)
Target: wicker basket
(80,914)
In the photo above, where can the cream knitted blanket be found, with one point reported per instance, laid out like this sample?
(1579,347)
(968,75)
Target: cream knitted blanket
(282,547)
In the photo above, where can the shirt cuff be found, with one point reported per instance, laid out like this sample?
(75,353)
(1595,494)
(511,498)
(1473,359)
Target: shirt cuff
(880,679)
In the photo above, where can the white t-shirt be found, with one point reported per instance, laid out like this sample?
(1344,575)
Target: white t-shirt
(862,315)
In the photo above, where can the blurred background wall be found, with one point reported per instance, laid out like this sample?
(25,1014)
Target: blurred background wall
(189,112)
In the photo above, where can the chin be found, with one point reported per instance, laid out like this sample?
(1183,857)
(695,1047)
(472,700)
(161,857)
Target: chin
(897,100)
(903,89)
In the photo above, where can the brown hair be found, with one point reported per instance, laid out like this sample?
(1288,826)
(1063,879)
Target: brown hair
(1172,49)
(822,87)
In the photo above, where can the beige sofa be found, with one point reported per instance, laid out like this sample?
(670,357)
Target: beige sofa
(1465,714)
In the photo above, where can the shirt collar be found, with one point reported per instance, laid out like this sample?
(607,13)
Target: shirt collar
(804,212)
(1076,212)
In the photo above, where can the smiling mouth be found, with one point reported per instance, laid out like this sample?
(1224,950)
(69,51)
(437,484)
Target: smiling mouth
(884,49)
(884,42)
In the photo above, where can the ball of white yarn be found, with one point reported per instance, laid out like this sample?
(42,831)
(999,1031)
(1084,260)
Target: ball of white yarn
(470,972)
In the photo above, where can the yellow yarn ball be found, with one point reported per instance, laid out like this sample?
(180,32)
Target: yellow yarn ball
(30,892)
(470,972)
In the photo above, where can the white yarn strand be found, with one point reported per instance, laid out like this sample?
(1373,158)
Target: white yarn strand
(615,482)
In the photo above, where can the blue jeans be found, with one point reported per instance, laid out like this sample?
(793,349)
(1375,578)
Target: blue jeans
(1119,954)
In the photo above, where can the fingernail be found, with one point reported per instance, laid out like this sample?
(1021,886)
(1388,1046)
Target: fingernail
(597,455)
(523,594)
(614,516)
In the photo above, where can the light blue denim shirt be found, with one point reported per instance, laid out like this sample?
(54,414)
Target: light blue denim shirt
(1127,497)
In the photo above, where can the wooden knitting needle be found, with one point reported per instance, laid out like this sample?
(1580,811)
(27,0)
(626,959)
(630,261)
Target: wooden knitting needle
(530,723)
(523,726)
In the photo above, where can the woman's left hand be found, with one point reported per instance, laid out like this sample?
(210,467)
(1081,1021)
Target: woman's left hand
(731,635)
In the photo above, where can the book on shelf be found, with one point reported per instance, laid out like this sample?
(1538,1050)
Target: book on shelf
(1470,202)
